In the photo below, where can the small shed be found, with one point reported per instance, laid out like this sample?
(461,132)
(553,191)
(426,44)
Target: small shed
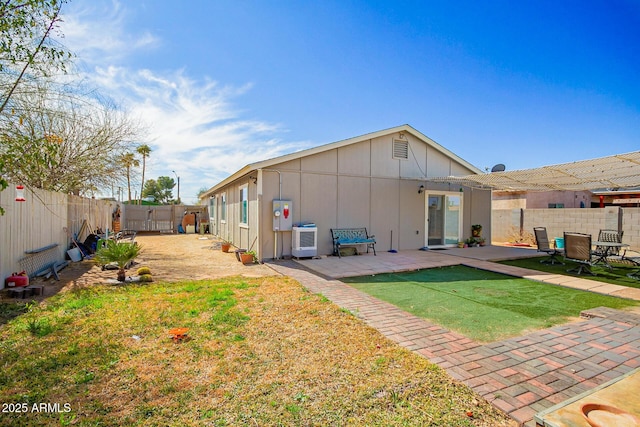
(379,181)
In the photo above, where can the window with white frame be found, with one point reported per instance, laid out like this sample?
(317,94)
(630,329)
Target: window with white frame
(212,210)
(223,207)
(244,205)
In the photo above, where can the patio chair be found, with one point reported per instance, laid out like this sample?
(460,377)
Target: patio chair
(577,247)
(543,246)
(614,236)
(634,258)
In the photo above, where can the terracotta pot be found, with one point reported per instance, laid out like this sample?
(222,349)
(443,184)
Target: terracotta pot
(246,258)
(225,247)
(598,415)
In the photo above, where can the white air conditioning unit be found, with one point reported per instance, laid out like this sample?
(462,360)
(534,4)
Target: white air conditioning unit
(304,242)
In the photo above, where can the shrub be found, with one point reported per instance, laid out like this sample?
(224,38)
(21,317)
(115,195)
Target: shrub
(120,253)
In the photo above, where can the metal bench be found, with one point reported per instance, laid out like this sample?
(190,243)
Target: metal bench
(352,237)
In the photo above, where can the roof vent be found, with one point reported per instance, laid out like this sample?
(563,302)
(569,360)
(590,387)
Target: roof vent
(400,150)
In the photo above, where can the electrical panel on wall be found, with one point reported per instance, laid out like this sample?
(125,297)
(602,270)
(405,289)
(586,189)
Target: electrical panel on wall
(282,215)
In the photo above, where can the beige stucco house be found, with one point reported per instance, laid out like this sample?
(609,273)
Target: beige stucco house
(378,181)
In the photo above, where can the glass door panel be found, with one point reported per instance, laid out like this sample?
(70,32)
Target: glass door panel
(436,220)
(444,215)
(452,220)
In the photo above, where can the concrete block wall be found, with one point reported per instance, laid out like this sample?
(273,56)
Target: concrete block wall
(557,221)
(631,227)
(502,221)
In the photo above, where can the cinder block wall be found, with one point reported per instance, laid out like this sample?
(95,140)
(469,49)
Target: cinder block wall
(631,227)
(557,221)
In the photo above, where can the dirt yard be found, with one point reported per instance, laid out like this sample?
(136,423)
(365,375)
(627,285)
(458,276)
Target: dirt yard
(171,257)
(187,256)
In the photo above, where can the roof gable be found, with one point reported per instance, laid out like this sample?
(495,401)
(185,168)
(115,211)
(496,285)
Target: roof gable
(264,164)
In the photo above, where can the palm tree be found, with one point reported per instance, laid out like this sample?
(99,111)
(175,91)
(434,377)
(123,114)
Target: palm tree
(129,160)
(120,253)
(144,150)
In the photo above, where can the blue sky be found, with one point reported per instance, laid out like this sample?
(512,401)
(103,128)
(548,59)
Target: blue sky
(224,83)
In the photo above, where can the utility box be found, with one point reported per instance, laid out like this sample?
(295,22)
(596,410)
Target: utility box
(282,215)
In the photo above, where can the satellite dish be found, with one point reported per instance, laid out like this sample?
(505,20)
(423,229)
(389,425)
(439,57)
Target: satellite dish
(498,168)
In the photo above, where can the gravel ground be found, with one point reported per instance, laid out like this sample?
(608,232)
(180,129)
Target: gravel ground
(171,257)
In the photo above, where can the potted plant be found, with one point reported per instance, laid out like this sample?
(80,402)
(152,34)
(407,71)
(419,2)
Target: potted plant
(225,246)
(119,253)
(476,230)
(248,257)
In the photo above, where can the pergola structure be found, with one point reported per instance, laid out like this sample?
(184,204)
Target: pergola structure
(613,172)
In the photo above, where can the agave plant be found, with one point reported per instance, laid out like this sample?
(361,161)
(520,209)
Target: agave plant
(120,253)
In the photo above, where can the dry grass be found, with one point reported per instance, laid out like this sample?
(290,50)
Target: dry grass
(262,352)
(515,236)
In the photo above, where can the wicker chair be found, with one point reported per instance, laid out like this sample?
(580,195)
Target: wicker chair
(543,246)
(577,247)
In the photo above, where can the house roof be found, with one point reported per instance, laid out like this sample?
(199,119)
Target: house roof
(326,147)
(619,171)
(617,192)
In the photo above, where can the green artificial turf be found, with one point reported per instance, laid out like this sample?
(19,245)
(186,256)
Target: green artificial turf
(480,304)
(616,276)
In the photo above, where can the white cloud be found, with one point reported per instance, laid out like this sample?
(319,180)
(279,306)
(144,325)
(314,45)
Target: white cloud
(96,32)
(194,126)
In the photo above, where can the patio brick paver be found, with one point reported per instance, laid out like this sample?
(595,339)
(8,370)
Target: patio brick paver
(520,376)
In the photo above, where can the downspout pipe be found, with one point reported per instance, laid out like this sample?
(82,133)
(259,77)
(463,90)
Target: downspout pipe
(259,201)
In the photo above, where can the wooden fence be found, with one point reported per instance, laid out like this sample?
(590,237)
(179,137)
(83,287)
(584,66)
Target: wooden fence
(163,219)
(149,218)
(45,219)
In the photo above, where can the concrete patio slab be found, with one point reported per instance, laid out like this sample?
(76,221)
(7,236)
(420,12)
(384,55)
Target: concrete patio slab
(335,267)
(630,293)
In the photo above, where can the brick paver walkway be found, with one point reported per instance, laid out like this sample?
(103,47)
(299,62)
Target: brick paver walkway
(520,376)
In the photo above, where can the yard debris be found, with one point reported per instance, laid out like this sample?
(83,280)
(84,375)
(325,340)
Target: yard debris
(178,334)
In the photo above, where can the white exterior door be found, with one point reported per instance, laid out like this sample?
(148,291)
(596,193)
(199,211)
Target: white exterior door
(443,219)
